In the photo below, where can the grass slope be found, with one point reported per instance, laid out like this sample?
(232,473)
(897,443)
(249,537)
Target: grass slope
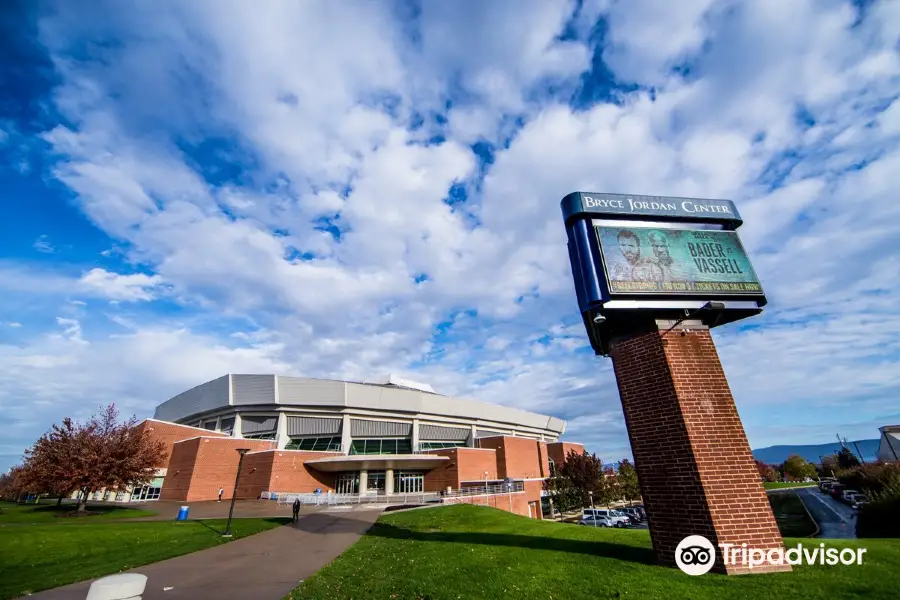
(38,557)
(50,513)
(791,516)
(475,552)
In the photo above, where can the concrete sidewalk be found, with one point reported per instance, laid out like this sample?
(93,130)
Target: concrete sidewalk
(266,566)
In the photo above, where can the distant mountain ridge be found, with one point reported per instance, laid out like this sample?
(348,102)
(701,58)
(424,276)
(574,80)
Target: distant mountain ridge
(774,455)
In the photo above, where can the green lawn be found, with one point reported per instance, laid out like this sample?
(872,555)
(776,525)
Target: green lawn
(39,557)
(475,552)
(792,518)
(50,513)
(776,485)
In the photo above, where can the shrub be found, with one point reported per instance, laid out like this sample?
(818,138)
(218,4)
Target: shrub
(870,478)
(881,516)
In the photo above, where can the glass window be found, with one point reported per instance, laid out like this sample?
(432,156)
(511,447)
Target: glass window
(381,446)
(440,445)
(260,436)
(321,444)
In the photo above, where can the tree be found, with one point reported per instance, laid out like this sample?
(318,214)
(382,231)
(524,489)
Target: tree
(101,453)
(766,472)
(628,480)
(798,468)
(846,459)
(576,479)
(11,487)
(52,463)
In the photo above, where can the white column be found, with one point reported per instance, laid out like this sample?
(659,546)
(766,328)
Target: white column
(281,431)
(389,481)
(346,440)
(363,481)
(236,432)
(471,441)
(218,423)
(415,435)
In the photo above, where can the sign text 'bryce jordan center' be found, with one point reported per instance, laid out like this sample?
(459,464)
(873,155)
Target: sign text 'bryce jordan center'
(658,205)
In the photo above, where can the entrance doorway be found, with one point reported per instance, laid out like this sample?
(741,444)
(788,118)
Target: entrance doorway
(347,483)
(147,492)
(376,482)
(409,482)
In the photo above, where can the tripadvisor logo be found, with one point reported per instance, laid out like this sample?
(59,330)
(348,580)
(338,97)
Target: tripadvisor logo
(696,555)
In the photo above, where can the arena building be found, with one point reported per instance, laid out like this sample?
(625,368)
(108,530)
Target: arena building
(391,436)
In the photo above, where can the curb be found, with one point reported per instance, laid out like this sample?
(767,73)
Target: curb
(809,514)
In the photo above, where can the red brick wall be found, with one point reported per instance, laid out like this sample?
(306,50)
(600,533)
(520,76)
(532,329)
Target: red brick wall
(290,474)
(559,450)
(199,467)
(169,433)
(181,470)
(694,464)
(465,464)
(255,474)
(517,457)
(533,494)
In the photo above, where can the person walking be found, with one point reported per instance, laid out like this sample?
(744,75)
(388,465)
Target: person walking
(221,492)
(296,508)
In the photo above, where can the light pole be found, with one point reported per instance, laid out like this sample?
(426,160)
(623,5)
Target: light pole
(237,478)
(593,514)
(485,483)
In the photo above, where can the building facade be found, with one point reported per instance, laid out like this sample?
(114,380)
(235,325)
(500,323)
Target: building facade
(387,437)
(889,446)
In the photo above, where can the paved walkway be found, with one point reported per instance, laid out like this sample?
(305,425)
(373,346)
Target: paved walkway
(266,566)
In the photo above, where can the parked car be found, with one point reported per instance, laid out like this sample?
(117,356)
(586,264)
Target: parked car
(825,485)
(635,513)
(601,517)
(861,501)
(836,491)
(848,495)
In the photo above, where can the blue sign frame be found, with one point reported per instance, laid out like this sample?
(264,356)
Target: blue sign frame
(607,314)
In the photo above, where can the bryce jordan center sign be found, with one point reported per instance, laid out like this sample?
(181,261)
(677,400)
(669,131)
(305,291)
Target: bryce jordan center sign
(641,259)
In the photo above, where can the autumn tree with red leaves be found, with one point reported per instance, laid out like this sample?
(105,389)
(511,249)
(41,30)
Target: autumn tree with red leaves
(99,454)
(11,484)
(766,472)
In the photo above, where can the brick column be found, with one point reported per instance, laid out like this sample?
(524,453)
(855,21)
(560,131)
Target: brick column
(695,467)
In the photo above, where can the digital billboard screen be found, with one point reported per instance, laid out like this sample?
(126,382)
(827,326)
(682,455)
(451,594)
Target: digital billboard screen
(644,260)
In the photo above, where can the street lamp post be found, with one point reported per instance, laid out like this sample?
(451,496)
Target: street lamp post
(237,478)
(593,514)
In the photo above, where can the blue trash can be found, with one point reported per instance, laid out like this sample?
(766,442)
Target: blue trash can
(183,513)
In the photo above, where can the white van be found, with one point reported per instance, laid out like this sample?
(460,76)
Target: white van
(601,517)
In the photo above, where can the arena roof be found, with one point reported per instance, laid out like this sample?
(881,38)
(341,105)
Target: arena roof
(268,392)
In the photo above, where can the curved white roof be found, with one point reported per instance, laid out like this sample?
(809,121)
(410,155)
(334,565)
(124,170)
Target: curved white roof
(271,392)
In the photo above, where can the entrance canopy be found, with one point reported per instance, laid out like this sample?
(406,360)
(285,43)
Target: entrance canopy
(376,462)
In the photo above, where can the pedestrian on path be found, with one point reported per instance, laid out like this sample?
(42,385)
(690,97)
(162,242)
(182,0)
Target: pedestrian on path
(221,491)
(296,508)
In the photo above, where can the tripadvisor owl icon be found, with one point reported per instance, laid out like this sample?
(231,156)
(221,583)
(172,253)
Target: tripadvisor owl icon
(695,555)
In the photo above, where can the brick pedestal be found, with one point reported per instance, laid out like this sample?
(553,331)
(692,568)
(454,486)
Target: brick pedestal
(695,467)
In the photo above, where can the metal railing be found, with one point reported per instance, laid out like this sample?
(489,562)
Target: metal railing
(333,499)
(330,499)
(490,489)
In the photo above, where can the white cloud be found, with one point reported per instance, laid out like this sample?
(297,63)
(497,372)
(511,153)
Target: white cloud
(217,146)
(134,287)
(42,244)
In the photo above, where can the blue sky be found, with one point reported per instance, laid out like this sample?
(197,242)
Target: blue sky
(195,188)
